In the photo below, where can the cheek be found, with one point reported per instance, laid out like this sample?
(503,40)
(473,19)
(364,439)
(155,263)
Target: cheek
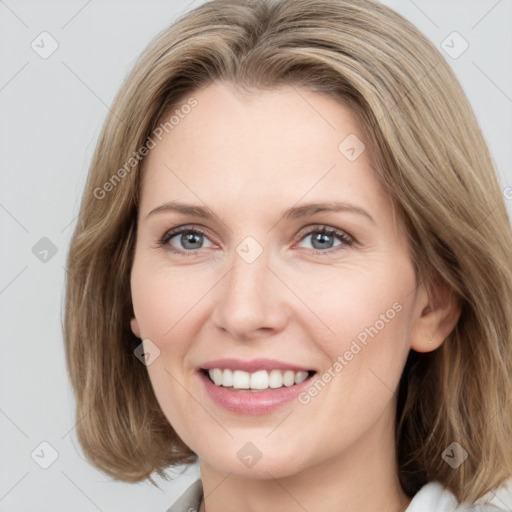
(358,304)
(162,304)
(164,299)
(372,337)
(166,304)
(175,402)
(368,314)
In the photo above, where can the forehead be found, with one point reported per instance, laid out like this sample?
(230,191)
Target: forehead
(253,148)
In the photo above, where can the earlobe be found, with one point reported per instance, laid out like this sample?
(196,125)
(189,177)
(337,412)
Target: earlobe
(135,327)
(439,312)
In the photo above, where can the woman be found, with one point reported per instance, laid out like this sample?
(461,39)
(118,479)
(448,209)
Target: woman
(367,369)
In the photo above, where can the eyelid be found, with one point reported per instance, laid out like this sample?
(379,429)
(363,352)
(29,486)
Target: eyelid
(171,233)
(346,238)
(307,230)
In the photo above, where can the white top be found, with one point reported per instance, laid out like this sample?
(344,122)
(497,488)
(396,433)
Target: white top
(432,497)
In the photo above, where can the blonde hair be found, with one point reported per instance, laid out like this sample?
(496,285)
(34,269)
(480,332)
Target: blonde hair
(431,157)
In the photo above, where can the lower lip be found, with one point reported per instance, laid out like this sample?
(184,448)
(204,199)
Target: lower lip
(252,402)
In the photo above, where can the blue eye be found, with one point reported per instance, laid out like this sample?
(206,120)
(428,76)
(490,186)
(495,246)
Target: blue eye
(192,239)
(322,237)
(188,238)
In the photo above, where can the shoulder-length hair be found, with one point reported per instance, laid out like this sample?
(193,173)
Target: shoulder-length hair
(430,156)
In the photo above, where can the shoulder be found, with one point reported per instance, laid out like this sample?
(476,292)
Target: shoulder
(190,500)
(433,497)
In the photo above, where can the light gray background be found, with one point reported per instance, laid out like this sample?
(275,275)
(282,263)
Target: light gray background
(51,114)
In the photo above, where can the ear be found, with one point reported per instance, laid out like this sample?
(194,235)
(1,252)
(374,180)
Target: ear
(135,327)
(438,311)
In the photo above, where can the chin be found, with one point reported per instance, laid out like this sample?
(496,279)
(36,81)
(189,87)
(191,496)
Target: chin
(250,462)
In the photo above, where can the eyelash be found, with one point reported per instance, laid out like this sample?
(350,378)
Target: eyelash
(327,230)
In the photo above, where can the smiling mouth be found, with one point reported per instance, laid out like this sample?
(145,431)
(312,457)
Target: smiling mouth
(256,381)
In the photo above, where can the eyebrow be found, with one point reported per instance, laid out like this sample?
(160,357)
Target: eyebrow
(295,212)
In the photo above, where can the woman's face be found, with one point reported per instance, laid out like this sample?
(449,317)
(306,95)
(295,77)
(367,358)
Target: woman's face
(257,283)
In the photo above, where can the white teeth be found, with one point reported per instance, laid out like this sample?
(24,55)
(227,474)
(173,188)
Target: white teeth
(300,377)
(275,379)
(261,379)
(227,378)
(289,378)
(241,380)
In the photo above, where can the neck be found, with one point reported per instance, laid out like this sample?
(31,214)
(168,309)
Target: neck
(364,477)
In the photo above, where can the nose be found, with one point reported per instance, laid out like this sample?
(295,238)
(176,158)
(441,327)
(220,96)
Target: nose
(251,300)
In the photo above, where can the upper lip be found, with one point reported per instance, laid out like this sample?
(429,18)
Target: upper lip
(253,365)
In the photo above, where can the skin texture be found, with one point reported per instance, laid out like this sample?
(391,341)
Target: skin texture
(248,157)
